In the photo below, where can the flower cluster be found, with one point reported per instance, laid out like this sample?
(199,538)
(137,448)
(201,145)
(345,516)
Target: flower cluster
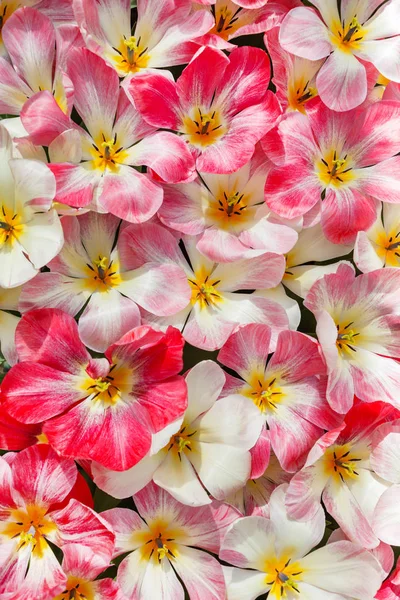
(199,315)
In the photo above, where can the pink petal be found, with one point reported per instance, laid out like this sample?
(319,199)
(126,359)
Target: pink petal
(96,88)
(30,40)
(79,524)
(106,318)
(247,350)
(33,392)
(130,195)
(43,118)
(51,337)
(342,81)
(156,98)
(345,212)
(304,34)
(41,477)
(201,574)
(101,434)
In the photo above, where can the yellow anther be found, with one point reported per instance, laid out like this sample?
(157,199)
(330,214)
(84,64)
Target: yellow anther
(338,163)
(347,336)
(162,552)
(205,119)
(267,393)
(182,443)
(131,43)
(109,144)
(101,385)
(354,24)
(26,538)
(232,199)
(101,262)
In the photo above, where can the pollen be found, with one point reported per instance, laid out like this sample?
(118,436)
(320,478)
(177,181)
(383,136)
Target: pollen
(107,154)
(346,341)
(181,442)
(11,226)
(283,576)
(131,55)
(204,290)
(103,274)
(266,394)
(227,19)
(341,462)
(347,36)
(203,128)
(334,170)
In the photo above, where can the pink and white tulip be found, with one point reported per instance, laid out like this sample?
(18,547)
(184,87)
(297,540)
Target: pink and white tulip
(379,246)
(166,541)
(311,247)
(294,77)
(161,36)
(98,166)
(343,469)
(37,60)
(88,273)
(218,305)
(287,389)
(229,213)
(357,328)
(205,452)
(275,555)
(112,404)
(358,33)
(82,567)
(32,482)
(350,157)
(219,105)
(234,18)
(9,299)
(30,231)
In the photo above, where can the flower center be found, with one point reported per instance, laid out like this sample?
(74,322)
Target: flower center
(204,290)
(341,462)
(348,35)
(159,544)
(333,170)
(388,247)
(180,442)
(203,128)
(107,154)
(107,391)
(103,274)
(283,577)
(266,395)
(29,525)
(77,589)
(10,227)
(226,20)
(132,55)
(346,338)
(299,94)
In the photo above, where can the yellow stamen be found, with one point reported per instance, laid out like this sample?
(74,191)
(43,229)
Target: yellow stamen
(131,43)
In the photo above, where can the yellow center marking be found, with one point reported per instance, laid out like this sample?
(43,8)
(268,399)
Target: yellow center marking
(108,390)
(204,289)
(227,21)
(346,340)
(11,226)
(299,93)
(204,129)
(347,36)
(389,247)
(29,526)
(102,275)
(334,170)
(181,442)
(265,394)
(283,576)
(341,462)
(159,541)
(77,589)
(131,55)
(107,154)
